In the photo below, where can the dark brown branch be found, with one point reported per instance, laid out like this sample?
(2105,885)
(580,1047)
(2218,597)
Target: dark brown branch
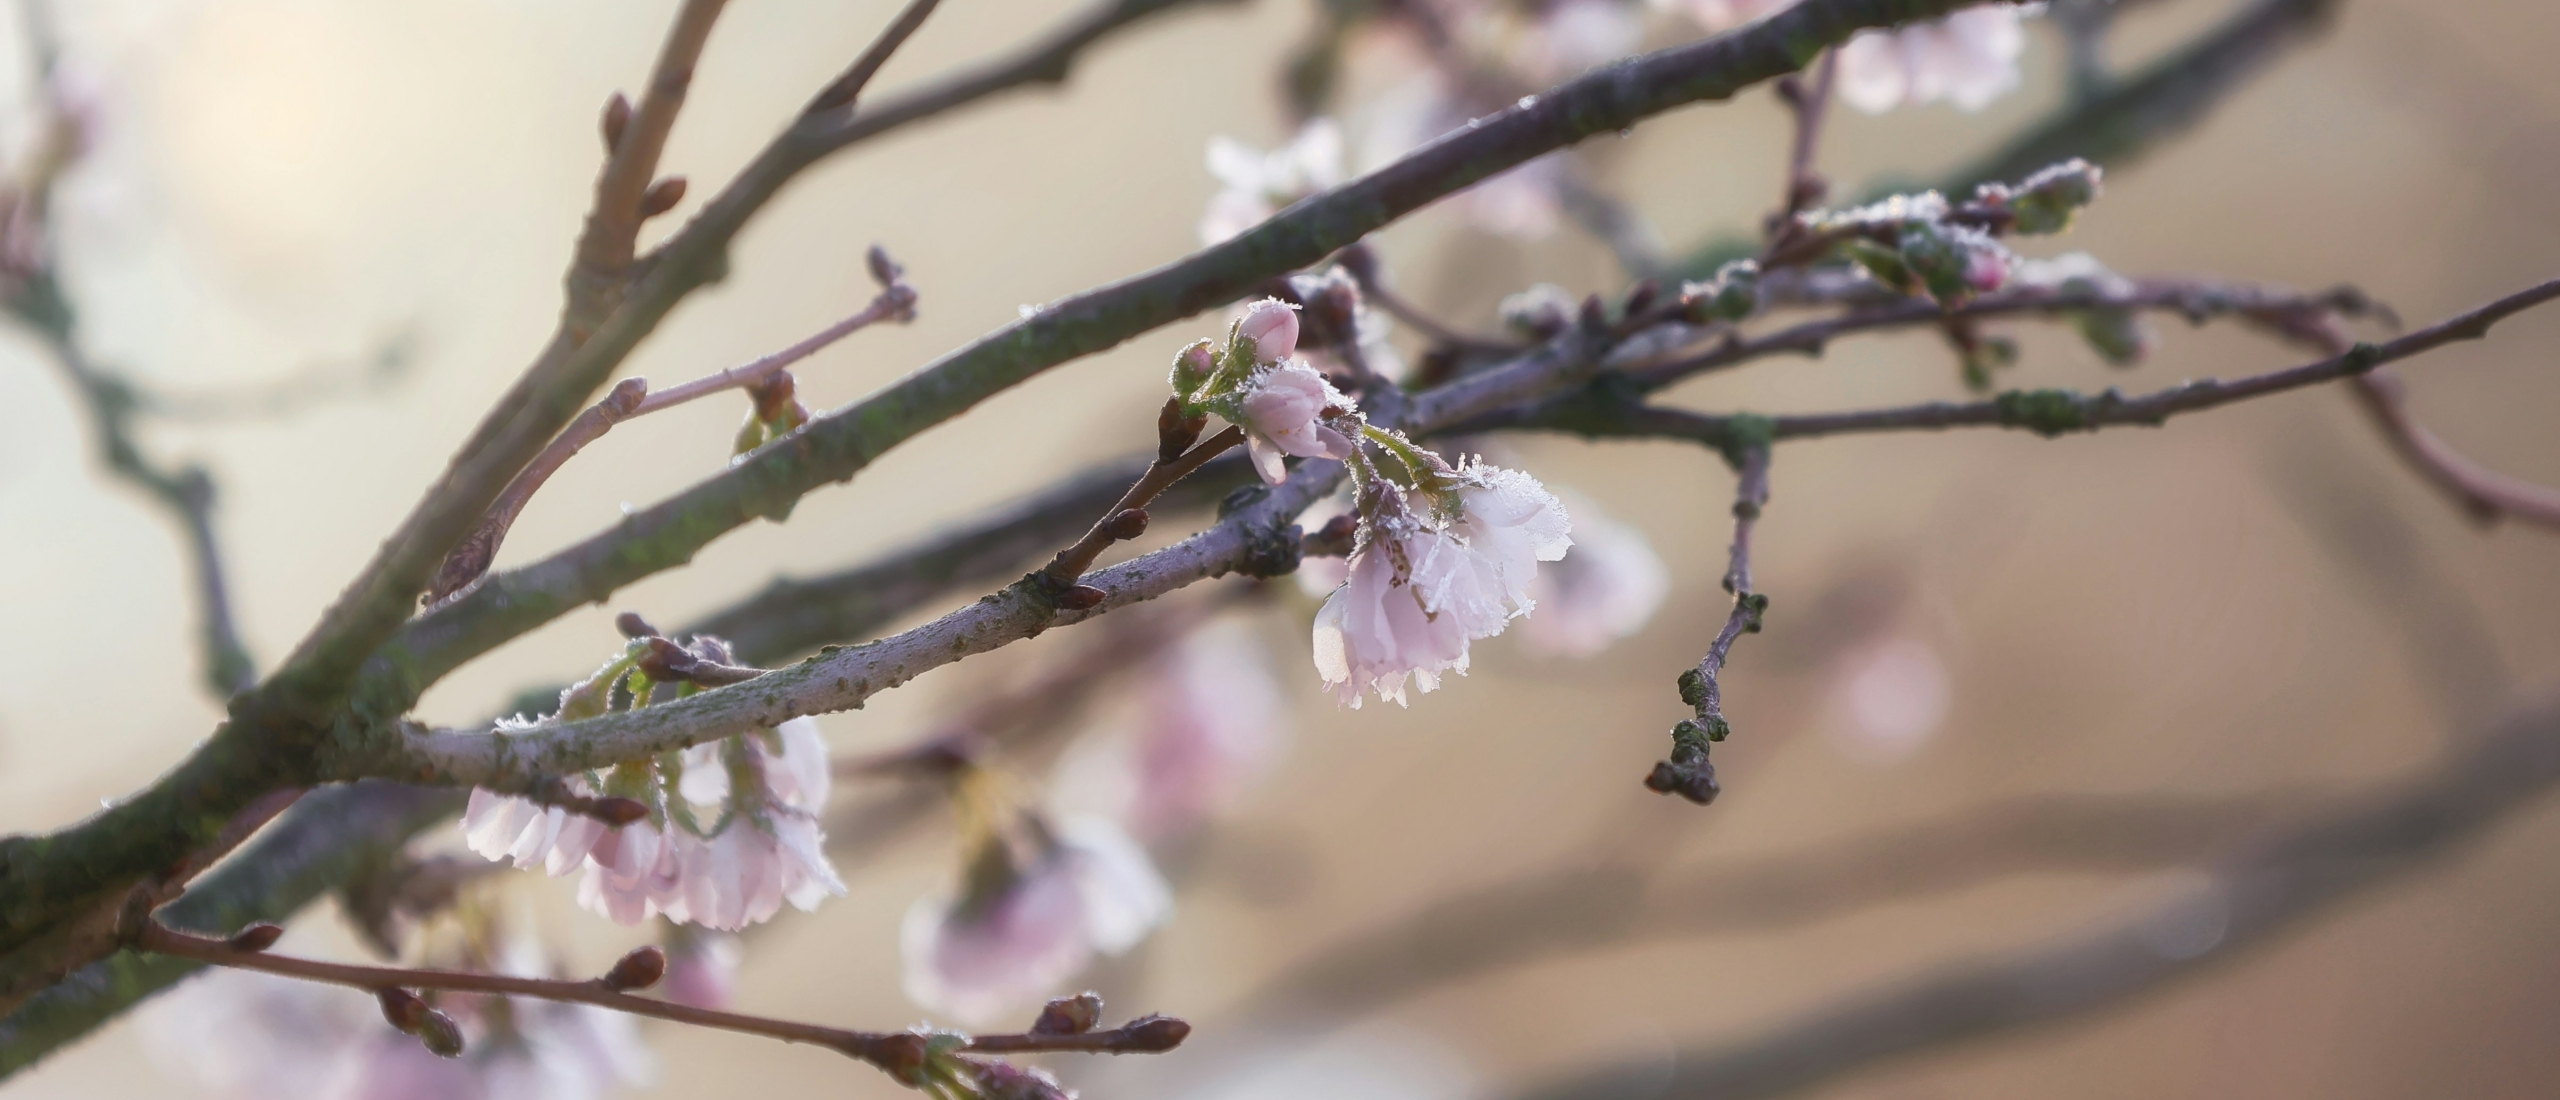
(898,1053)
(1687,772)
(2251,901)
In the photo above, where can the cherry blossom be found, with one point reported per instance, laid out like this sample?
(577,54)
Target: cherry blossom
(1426,582)
(1255,184)
(1036,907)
(1282,409)
(742,839)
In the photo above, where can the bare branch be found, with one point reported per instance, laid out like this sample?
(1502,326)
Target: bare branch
(2485,493)
(2250,900)
(898,1053)
(1686,772)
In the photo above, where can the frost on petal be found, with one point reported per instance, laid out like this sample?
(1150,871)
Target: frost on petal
(1271,326)
(1373,634)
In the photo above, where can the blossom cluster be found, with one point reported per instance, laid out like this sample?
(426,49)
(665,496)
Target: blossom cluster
(1465,58)
(731,830)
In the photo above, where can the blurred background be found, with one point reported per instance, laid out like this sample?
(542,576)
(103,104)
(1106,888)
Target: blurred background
(2240,613)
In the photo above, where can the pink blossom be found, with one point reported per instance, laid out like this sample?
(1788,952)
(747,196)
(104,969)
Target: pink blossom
(1522,202)
(1891,695)
(702,969)
(1282,413)
(1967,58)
(1422,589)
(768,848)
(1271,326)
(1257,184)
(1210,721)
(1607,589)
(1017,935)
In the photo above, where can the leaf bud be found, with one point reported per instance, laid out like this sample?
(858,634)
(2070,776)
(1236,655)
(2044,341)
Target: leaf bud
(640,969)
(1069,1015)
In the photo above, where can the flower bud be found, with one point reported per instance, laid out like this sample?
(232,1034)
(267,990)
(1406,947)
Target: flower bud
(1192,366)
(617,117)
(1732,295)
(997,1079)
(2117,335)
(1127,524)
(1155,1034)
(638,970)
(633,626)
(442,1036)
(1951,262)
(405,1010)
(662,196)
(2046,201)
(1082,597)
(1069,1015)
(1538,313)
(1271,326)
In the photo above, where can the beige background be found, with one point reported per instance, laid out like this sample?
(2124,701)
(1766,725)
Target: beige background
(285,182)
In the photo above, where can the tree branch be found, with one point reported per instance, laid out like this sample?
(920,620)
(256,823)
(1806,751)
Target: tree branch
(2251,900)
(898,1053)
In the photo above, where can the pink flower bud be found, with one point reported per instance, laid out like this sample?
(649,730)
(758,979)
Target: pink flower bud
(1272,326)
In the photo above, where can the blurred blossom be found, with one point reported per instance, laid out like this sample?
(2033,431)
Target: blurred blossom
(236,1033)
(1210,721)
(1522,202)
(1575,35)
(1255,184)
(1607,589)
(741,838)
(1036,907)
(702,967)
(1891,694)
(1968,58)
(1719,15)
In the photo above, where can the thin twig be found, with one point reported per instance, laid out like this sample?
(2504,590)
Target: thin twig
(1117,522)
(895,1052)
(630,399)
(2057,412)
(1686,772)
(842,91)
(1810,103)
(2485,493)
